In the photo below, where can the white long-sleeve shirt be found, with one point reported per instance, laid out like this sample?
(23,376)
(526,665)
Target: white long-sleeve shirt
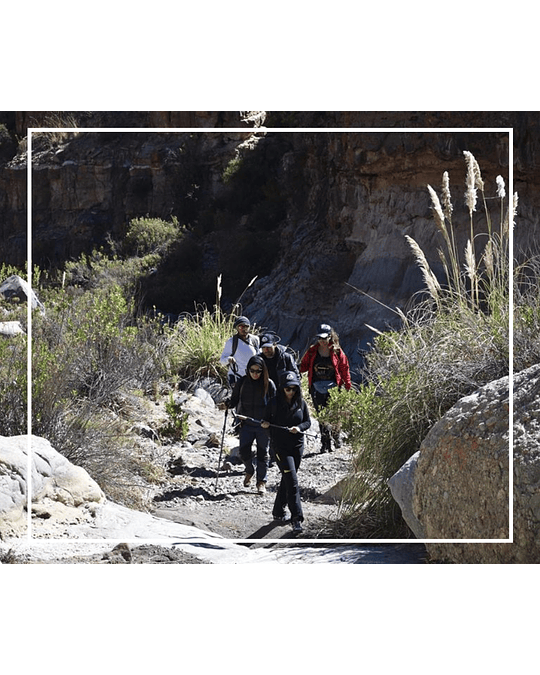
(244,352)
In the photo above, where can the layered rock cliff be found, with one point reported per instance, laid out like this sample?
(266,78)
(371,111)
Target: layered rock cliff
(311,213)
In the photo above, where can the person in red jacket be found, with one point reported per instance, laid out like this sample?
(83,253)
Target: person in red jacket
(327,366)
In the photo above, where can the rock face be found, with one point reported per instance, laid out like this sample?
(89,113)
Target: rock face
(456,487)
(61,491)
(315,211)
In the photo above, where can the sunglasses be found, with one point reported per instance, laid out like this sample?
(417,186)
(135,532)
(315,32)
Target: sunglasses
(290,388)
(257,371)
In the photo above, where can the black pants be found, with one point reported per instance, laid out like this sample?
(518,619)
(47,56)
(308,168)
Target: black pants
(288,493)
(320,401)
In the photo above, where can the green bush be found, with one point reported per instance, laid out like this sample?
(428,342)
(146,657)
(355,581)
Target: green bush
(176,427)
(147,235)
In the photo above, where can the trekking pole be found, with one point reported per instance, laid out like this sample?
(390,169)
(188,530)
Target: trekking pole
(274,426)
(221,448)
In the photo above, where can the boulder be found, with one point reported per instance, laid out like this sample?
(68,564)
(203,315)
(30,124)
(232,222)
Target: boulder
(16,287)
(461,477)
(60,490)
(11,328)
(461,487)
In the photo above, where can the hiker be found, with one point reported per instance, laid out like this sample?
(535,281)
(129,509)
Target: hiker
(250,396)
(278,360)
(327,366)
(288,410)
(239,349)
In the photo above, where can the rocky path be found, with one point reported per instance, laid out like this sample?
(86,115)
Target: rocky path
(217,501)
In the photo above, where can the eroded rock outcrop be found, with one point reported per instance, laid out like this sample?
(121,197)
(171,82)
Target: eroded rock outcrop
(61,491)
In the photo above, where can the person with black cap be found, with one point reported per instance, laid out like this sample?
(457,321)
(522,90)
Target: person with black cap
(327,366)
(287,417)
(278,360)
(250,396)
(239,349)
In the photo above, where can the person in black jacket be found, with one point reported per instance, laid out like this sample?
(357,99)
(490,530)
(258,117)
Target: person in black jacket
(250,396)
(289,413)
(278,360)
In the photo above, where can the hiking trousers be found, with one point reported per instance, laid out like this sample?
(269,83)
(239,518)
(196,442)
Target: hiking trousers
(288,493)
(248,434)
(321,401)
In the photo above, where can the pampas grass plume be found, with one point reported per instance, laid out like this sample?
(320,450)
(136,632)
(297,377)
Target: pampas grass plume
(447,201)
(501,192)
(470,193)
(432,284)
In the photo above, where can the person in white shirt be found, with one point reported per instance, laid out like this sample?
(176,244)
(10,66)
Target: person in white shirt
(239,349)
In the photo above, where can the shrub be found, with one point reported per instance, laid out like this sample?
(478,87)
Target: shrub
(148,235)
(13,385)
(177,426)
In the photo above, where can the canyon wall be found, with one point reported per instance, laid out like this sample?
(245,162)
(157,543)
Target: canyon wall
(313,213)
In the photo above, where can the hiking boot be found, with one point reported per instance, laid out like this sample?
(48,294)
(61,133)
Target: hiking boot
(297,527)
(247,479)
(261,487)
(280,519)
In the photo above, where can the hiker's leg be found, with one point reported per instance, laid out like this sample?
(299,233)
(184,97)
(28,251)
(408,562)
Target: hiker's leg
(290,478)
(247,436)
(319,402)
(263,440)
(280,501)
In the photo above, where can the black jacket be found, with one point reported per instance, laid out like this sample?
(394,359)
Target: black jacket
(281,361)
(248,397)
(279,412)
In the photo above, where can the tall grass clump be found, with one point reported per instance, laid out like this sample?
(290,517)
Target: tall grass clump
(453,341)
(198,340)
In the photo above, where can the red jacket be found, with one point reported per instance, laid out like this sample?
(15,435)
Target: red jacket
(339,360)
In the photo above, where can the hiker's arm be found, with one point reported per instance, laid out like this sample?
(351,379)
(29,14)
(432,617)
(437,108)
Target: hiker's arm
(226,353)
(306,421)
(235,396)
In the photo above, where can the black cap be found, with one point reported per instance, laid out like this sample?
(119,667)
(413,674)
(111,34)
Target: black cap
(241,320)
(289,379)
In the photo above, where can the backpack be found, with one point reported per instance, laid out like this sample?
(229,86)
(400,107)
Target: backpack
(252,342)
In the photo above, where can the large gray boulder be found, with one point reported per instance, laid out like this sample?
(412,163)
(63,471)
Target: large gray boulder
(460,478)
(462,482)
(61,491)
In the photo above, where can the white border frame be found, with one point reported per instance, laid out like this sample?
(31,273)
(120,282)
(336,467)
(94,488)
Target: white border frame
(266,130)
